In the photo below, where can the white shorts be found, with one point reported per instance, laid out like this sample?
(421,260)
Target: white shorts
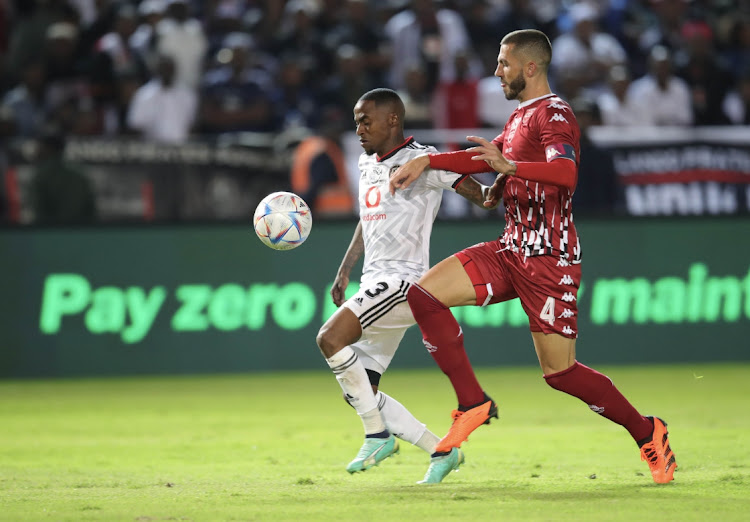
(385,315)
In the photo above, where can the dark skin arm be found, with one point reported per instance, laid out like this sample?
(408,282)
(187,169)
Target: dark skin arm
(353,253)
(475,192)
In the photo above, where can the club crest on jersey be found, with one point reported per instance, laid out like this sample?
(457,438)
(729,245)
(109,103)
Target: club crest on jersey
(376,174)
(528,114)
(513,128)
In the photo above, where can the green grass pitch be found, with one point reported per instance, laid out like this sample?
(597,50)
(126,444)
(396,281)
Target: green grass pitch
(274,447)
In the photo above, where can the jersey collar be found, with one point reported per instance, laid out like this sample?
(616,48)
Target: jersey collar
(534,100)
(406,142)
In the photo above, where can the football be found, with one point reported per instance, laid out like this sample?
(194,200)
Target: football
(282,220)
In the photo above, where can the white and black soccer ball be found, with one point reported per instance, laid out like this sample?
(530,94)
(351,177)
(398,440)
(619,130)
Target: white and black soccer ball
(282,220)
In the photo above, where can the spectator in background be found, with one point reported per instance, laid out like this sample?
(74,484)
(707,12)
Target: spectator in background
(429,35)
(524,14)
(30,31)
(356,28)
(615,108)
(182,38)
(350,79)
(63,61)
(69,98)
(61,192)
(222,18)
(737,50)
(318,172)
(143,40)
(114,59)
(237,95)
(329,14)
(294,100)
(481,21)
(736,105)
(163,110)
(705,72)
(664,29)
(7,128)
(661,97)
(457,100)
(585,54)
(596,190)
(417,98)
(299,37)
(115,114)
(25,104)
(5,12)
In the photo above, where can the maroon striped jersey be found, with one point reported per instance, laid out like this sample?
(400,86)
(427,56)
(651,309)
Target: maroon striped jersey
(539,217)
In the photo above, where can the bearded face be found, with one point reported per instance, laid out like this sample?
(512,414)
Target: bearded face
(515,87)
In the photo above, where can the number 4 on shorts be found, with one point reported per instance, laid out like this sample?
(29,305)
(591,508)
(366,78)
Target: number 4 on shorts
(548,311)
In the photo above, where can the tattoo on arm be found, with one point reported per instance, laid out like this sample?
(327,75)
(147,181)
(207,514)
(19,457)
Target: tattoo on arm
(471,189)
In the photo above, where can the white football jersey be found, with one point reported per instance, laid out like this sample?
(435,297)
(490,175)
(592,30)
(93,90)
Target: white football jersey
(396,229)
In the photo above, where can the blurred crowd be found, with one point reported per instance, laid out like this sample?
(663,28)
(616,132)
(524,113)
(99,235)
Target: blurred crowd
(166,70)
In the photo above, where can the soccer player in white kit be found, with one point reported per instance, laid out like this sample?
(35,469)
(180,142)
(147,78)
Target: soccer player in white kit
(393,233)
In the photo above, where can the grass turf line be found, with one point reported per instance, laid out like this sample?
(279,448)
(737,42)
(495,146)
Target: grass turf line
(274,447)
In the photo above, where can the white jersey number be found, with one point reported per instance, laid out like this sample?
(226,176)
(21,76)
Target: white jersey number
(548,311)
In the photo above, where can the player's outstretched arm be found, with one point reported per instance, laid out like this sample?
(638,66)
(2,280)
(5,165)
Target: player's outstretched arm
(407,173)
(489,152)
(475,192)
(353,253)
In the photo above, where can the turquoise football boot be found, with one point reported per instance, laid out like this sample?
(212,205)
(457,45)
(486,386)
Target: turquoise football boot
(442,465)
(372,453)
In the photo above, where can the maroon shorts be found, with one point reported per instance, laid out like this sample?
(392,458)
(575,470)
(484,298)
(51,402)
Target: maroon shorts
(546,285)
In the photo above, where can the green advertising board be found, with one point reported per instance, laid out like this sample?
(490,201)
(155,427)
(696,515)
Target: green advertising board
(191,299)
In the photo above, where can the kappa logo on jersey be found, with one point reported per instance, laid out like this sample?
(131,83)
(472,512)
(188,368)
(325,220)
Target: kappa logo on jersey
(568,297)
(566,280)
(553,151)
(567,330)
(566,313)
(555,105)
(430,347)
(563,262)
(558,117)
(596,409)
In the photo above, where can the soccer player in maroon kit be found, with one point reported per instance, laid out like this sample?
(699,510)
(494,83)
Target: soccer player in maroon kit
(537,259)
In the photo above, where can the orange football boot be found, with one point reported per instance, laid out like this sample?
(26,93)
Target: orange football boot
(464,422)
(659,454)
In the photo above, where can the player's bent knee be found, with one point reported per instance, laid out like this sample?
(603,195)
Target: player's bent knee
(331,340)
(326,343)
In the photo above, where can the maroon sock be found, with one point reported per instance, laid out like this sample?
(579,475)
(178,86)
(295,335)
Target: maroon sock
(602,397)
(444,339)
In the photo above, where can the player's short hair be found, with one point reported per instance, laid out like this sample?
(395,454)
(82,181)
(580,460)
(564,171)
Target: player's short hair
(531,43)
(383,96)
